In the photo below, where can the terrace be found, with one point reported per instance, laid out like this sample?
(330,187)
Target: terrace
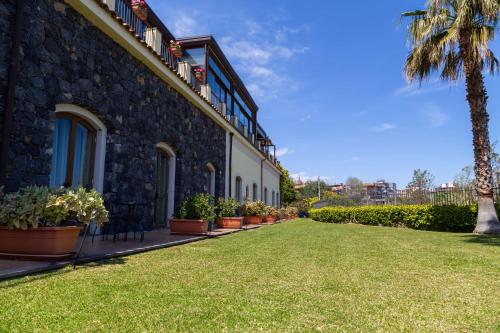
(200,62)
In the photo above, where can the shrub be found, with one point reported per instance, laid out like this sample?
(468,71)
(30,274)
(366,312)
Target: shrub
(271,211)
(292,212)
(226,208)
(421,217)
(253,208)
(35,206)
(198,207)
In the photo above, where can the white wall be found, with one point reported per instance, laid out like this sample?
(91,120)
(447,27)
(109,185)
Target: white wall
(246,164)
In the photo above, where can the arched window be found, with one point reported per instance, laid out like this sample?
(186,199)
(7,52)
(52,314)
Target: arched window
(79,148)
(273,198)
(247,193)
(265,195)
(238,189)
(254,192)
(210,179)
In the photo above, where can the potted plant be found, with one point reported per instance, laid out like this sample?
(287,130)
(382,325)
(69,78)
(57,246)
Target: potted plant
(199,72)
(270,214)
(283,213)
(253,211)
(226,212)
(194,214)
(292,212)
(176,49)
(39,223)
(140,9)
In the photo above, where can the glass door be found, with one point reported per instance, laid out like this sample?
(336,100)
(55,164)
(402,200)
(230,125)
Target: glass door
(161,204)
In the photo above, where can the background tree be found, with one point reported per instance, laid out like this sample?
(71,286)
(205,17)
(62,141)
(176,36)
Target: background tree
(465,179)
(420,185)
(287,187)
(452,36)
(310,189)
(355,186)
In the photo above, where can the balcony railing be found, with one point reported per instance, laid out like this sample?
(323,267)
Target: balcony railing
(124,11)
(167,54)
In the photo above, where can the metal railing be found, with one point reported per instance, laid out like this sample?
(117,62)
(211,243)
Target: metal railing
(124,11)
(438,197)
(167,54)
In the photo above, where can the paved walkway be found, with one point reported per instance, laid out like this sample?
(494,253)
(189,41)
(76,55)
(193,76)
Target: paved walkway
(106,249)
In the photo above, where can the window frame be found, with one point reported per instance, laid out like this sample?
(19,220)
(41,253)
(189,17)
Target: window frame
(75,120)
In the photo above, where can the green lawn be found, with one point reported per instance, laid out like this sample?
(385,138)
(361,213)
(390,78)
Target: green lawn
(299,276)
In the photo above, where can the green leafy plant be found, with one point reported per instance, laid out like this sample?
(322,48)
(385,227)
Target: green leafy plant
(226,208)
(85,206)
(198,207)
(422,217)
(253,208)
(35,206)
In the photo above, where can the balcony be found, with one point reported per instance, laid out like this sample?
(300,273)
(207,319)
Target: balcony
(203,66)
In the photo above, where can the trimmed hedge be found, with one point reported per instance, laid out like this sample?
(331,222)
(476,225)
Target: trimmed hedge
(420,217)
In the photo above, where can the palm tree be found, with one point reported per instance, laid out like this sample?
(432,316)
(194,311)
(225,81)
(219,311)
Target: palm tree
(452,36)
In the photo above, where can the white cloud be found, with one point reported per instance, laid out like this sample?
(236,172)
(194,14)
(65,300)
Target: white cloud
(435,116)
(355,158)
(305,118)
(283,151)
(184,26)
(414,89)
(304,176)
(383,127)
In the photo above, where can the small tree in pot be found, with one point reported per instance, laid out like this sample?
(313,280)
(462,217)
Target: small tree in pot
(253,212)
(194,215)
(270,214)
(227,215)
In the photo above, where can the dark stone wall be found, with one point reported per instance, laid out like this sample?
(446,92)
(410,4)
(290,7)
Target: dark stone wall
(7,13)
(67,60)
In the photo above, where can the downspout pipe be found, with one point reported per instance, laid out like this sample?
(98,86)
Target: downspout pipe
(230,173)
(11,89)
(262,179)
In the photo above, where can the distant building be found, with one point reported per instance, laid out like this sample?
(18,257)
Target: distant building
(339,188)
(445,187)
(299,184)
(380,191)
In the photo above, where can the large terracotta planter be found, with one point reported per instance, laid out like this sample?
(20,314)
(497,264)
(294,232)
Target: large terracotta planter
(188,227)
(43,243)
(252,220)
(230,222)
(270,219)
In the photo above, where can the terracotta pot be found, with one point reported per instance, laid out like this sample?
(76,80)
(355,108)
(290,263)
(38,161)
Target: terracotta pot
(230,222)
(270,219)
(177,52)
(252,220)
(43,243)
(200,76)
(140,11)
(188,227)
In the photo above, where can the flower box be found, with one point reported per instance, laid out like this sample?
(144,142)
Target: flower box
(140,10)
(42,243)
(253,220)
(188,227)
(230,222)
(270,219)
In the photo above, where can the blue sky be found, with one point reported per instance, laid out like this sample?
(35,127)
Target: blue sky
(328,78)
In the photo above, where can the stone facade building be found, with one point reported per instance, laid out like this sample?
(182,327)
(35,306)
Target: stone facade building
(100,101)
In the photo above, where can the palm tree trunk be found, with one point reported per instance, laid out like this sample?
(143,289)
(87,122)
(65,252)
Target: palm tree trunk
(487,219)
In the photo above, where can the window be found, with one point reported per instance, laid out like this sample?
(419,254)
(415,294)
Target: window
(273,198)
(278,203)
(254,192)
(247,193)
(74,148)
(238,189)
(210,179)
(265,195)
(194,56)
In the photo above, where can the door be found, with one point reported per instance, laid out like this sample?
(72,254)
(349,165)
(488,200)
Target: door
(161,204)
